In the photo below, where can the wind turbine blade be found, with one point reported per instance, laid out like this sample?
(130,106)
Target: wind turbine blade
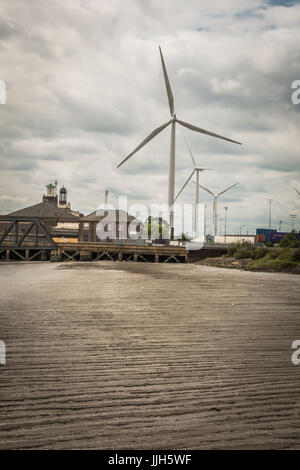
(189,149)
(203,131)
(205,189)
(185,184)
(145,141)
(168,86)
(227,189)
(298,192)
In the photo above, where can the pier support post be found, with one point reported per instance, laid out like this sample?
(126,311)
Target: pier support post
(85,256)
(56,255)
(43,255)
(7,255)
(135,256)
(27,254)
(120,256)
(156,258)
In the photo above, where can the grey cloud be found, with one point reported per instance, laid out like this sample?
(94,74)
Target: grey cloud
(85,86)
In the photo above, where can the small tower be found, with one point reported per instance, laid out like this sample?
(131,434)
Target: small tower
(63,197)
(63,201)
(51,197)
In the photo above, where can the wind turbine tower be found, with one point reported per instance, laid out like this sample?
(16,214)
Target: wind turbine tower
(216,196)
(196,170)
(172,122)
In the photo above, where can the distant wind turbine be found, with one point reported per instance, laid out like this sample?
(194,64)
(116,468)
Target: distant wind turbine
(196,170)
(159,129)
(215,196)
(298,192)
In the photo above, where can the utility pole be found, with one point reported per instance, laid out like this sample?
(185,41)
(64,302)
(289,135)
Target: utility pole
(225,230)
(280,224)
(270,212)
(204,223)
(106,197)
(241,226)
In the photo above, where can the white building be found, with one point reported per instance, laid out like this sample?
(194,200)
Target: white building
(235,239)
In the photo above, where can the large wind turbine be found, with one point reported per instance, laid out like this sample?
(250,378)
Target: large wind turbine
(159,129)
(215,196)
(196,170)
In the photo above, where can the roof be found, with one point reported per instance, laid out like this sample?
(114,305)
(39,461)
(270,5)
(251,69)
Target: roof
(44,210)
(94,217)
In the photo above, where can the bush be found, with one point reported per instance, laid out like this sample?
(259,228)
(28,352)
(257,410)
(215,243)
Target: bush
(296,256)
(273,264)
(260,253)
(273,254)
(286,255)
(279,264)
(231,250)
(290,240)
(270,244)
(243,251)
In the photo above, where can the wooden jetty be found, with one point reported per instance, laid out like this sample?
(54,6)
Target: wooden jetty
(27,239)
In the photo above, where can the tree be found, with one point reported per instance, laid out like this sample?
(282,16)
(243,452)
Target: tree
(291,240)
(156,228)
(184,237)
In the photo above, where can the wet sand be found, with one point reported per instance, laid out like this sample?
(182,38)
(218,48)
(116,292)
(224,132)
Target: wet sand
(130,355)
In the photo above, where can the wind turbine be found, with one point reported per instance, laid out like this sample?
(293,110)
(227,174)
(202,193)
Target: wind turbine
(298,192)
(215,196)
(196,170)
(159,129)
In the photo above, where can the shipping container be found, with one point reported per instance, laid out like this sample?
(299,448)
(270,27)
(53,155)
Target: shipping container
(266,232)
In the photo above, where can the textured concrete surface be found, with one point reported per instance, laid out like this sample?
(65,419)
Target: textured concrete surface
(132,355)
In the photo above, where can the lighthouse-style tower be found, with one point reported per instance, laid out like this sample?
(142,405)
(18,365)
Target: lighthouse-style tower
(63,202)
(51,196)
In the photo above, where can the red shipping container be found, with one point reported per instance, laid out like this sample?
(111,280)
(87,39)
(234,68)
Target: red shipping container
(260,238)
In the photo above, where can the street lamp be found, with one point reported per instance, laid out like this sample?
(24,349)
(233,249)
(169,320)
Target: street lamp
(241,226)
(270,211)
(225,230)
(293,217)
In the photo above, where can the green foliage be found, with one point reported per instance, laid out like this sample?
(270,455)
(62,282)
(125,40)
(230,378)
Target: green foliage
(290,240)
(273,254)
(184,237)
(279,264)
(275,260)
(231,250)
(296,256)
(243,251)
(270,244)
(260,253)
(156,228)
(239,251)
(272,264)
(286,255)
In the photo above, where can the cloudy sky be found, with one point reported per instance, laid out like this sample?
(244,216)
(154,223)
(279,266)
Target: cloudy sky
(84,87)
